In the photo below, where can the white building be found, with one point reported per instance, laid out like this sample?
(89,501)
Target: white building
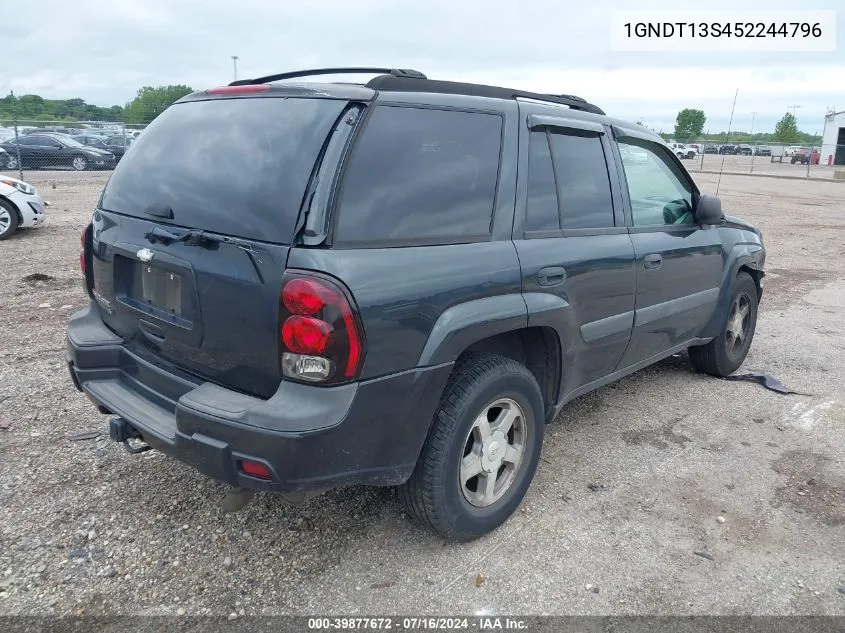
(833,139)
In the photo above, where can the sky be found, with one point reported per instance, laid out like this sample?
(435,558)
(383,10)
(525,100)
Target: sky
(104,50)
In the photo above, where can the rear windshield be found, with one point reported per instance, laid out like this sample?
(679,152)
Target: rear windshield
(232,166)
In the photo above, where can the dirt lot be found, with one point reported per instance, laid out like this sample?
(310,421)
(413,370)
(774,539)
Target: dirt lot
(632,482)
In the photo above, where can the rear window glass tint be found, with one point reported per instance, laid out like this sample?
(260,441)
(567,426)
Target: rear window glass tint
(582,179)
(542,213)
(233,166)
(421,174)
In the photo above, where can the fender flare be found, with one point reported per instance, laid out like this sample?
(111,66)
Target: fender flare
(746,254)
(466,323)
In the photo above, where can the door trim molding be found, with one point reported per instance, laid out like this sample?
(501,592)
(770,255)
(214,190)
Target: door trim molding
(608,326)
(675,306)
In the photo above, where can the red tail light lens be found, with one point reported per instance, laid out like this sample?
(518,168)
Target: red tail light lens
(306,335)
(321,338)
(306,296)
(82,251)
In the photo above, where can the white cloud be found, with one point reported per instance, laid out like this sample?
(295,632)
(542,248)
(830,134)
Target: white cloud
(104,50)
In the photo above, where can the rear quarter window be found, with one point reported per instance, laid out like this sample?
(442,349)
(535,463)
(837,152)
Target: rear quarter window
(421,175)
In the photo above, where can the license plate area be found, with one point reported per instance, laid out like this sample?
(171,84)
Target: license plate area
(161,289)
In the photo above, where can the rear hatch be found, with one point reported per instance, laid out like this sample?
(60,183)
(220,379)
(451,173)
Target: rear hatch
(192,233)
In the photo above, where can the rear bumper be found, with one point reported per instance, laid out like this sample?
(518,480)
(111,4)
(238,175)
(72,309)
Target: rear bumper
(310,438)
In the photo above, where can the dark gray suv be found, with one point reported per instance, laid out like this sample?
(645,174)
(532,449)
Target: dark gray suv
(300,286)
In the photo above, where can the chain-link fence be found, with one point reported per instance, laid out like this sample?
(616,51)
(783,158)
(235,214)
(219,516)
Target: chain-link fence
(27,146)
(818,161)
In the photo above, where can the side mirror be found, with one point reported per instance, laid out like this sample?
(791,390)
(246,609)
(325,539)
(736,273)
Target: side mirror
(709,210)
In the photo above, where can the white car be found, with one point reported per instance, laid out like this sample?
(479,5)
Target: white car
(20,206)
(681,150)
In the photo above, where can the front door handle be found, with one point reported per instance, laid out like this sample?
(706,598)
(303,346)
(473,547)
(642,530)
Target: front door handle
(551,276)
(653,261)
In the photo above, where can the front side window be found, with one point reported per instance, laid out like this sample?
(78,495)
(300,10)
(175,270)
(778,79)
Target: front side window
(660,193)
(421,174)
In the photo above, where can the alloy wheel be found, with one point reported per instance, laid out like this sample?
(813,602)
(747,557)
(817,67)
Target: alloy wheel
(493,452)
(739,323)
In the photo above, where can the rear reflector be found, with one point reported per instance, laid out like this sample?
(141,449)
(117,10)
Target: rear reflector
(255,469)
(238,90)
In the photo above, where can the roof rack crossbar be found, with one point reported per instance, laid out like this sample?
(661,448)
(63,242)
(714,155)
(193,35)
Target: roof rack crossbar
(395,72)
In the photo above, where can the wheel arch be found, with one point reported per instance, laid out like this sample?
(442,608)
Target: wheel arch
(15,208)
(743,257)
(498,325)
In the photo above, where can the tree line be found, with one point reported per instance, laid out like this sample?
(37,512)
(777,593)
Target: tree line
(149,102)
(689,126)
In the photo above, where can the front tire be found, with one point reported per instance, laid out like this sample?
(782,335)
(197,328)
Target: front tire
(8,220)
(482,451)
(724,354)
(79,163)
(12,162)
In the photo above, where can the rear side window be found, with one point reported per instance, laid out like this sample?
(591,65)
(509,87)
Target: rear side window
(233,166)
(582,180)
(542,211)
(421,174)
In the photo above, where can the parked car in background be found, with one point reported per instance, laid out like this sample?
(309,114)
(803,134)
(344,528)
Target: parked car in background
(20,206)
(744,150)
(695,146)
(117,145)
(728,149)
(680,150)
(762,150)
(711,148)
(55,150)
(804,155)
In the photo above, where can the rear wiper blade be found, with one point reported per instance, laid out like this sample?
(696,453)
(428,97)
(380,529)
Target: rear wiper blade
(197,237)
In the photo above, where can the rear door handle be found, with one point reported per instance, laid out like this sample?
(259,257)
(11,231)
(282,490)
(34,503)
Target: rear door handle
(551,276)
(653,260)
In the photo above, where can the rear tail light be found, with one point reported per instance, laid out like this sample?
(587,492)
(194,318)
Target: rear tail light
(321,338)
(85,257)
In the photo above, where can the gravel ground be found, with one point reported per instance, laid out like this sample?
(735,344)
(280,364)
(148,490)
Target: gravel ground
(665,493)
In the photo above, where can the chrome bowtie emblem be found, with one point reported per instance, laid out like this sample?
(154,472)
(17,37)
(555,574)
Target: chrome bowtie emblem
(145,254)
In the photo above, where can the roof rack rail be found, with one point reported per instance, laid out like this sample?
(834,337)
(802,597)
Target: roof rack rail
(415,84)
(393,72)
(575,97)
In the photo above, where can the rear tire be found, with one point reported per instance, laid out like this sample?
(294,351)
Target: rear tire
(8,220)
(724,354)
(11,162)
(490,421)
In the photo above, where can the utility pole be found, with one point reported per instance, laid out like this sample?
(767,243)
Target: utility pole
(17,138)
(753,147)
(235,66)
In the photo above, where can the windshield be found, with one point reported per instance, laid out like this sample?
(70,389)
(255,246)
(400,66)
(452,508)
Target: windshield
(69,142)
(232,166)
